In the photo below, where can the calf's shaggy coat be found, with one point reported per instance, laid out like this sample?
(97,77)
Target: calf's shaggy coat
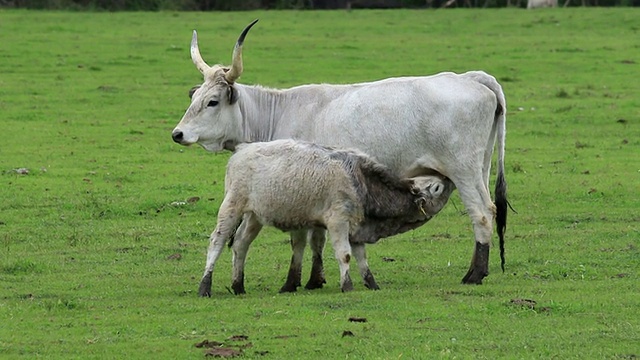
(296,186)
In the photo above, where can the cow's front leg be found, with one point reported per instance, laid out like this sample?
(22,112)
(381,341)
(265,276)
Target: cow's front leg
(246,233)
(294,276)
(361,257)
(339,234)
(316,278)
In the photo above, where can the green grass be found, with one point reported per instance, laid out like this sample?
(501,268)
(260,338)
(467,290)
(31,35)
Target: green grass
(89,237)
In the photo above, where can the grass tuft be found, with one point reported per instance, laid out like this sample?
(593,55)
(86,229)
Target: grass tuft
(19,267)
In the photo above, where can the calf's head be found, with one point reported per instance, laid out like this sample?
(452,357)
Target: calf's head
(431,192)
(212,120)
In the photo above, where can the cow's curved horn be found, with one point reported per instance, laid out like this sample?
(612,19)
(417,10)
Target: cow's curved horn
(236,66)
(195,54)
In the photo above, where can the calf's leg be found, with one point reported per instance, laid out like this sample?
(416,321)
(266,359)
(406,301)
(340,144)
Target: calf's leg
(361,257)
(298,243)
(294,277)
(228,219)
(339,234)
(316,279)
(246,233)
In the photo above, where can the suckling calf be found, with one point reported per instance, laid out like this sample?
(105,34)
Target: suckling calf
(434,190)
(297,186)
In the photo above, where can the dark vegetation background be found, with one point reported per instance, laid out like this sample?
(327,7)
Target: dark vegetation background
(206,5)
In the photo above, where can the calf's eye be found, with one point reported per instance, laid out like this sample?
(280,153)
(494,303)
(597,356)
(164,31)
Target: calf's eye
(212,103)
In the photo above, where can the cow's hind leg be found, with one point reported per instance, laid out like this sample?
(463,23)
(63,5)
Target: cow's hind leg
(482,211)
(316,278)
(294,277)
(245,235)
(228,220)
(361,257)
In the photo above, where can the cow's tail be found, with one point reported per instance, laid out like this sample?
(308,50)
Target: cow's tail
(500,128)
(501,201)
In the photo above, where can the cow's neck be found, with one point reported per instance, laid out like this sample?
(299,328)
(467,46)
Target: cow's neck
(260,112)
(270,114)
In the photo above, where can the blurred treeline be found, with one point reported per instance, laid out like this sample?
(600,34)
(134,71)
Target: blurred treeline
(203,5)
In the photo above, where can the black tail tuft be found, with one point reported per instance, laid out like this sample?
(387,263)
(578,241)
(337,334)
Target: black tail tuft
(501,212)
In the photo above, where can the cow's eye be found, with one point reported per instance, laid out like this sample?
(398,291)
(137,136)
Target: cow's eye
(212,103)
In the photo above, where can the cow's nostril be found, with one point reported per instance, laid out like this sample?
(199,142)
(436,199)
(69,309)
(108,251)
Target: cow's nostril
(177,136)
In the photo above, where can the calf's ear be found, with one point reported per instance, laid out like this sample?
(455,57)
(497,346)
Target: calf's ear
(192,90)
(233,95)
(412,186)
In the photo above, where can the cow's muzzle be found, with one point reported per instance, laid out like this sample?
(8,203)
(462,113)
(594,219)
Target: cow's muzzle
(177,136)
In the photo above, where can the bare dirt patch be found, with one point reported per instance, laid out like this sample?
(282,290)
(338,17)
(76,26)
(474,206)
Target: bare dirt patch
(224,350)
(208,344)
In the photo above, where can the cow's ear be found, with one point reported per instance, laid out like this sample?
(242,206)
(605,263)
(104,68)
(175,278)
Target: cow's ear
(233,95)
(192,90)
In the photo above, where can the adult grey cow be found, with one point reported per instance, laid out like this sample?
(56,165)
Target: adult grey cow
(295,185)
(445,123)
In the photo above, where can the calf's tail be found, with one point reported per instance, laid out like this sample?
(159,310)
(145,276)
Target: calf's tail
(232,237)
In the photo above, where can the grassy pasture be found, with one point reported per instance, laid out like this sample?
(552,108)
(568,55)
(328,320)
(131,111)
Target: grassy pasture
(101,254)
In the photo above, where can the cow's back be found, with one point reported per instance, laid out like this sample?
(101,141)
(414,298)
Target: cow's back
(399,121)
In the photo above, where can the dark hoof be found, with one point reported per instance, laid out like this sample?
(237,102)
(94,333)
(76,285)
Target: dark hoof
(370,282)
(205,286)
(348,285)
(292,282)
(315,284)
(372,286)
(237,284)
(286,288)
(474,276)
(205,290)
(238,288)
(293,279)
(479,265)
(316,278)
